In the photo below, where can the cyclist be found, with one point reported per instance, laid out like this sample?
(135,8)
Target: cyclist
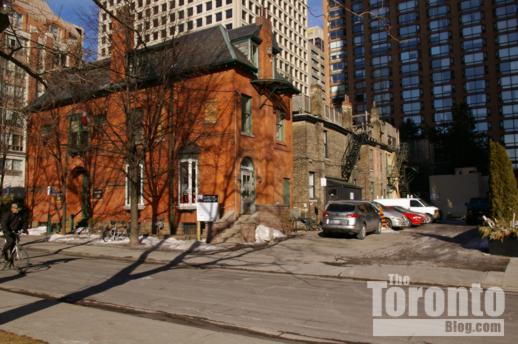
(13,222)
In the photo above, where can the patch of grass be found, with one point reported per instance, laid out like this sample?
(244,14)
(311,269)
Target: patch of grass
(11,338)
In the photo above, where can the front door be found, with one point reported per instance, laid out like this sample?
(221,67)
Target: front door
(247,187)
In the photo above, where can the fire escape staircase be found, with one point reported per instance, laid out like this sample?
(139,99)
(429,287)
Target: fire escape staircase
(352,153)
(398,170)
(402,173)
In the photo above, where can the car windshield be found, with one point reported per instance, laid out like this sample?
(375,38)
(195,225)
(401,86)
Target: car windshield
(403,210)
(378,205)
(340,207)
(424,203)
(479,203)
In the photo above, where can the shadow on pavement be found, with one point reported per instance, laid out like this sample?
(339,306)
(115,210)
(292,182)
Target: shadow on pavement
(125,275)
(469,239)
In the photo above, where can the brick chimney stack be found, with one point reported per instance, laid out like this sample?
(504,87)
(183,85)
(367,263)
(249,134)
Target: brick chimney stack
(122,41)
(266,46)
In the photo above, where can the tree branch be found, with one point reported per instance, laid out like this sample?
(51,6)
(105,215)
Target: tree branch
(23,66)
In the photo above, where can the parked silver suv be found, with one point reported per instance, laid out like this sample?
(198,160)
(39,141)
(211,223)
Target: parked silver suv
(351,217)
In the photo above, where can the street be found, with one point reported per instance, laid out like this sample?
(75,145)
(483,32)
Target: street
(249,306)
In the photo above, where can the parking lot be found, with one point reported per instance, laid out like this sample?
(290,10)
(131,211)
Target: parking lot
(439,245)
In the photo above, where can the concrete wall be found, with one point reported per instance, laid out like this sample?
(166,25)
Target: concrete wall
(451,192)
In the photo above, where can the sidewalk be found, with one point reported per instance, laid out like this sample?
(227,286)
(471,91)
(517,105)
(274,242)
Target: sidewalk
(287,258)
(62,323)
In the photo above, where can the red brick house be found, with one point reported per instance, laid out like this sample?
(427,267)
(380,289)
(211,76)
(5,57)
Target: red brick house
(213,117)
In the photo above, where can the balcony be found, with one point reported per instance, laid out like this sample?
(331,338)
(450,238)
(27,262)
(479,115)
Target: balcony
(301,104)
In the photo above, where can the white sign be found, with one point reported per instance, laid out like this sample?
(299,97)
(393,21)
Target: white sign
(351,195)
(207,209)
(323,181)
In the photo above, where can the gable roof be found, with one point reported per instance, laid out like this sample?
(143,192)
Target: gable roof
(195,53)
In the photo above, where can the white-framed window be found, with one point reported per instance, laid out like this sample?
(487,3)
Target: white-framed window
(246,115)
(280,125)
(127,187)
(188,183)
(311,184)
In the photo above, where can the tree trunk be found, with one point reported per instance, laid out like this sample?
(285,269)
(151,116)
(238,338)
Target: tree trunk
(134,186)
(2,173)
(154,215)
(170,162)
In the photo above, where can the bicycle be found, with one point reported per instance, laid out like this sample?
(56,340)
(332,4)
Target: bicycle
(20,257)
(113,233)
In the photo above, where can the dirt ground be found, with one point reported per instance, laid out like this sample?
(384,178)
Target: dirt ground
(11,338)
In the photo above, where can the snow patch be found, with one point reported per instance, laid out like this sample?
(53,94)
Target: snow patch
(266,234)
(73,237)
(170,244)
(174,244)
(42,230)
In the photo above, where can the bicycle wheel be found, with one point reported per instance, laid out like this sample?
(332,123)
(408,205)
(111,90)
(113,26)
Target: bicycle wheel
(106,235)
(21,258)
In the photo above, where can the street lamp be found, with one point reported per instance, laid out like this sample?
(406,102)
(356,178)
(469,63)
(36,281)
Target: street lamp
(5,9)
(6,6)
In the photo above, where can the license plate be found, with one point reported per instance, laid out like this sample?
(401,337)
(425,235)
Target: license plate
(333,222)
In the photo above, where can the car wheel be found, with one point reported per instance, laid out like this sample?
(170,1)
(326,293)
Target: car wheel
(389,223)
(363,233)
(427,218)
(378,229)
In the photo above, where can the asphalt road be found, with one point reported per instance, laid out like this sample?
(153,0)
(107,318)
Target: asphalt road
(226,301)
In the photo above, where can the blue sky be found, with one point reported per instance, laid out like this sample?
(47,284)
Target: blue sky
(71,10)
(82,13)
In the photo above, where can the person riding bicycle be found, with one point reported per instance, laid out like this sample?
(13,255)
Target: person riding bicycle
(13,222)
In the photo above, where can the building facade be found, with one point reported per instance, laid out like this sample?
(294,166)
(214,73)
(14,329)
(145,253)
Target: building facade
(416,59)
(217,124)
(322,137)
(316,66)
(40,40)
(159,20)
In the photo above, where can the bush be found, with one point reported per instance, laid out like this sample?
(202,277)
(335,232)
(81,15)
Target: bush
(498,229)
(503,193)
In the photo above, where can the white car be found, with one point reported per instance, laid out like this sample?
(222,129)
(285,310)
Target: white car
(413,204)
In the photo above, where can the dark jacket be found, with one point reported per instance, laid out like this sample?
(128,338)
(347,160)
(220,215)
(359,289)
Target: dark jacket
(13,223)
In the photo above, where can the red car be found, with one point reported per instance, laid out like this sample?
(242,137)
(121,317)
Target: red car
(415,218)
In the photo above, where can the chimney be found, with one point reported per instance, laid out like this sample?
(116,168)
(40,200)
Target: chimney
(347,111)
(375,113)
(266,46)
(317,96)
(122,41)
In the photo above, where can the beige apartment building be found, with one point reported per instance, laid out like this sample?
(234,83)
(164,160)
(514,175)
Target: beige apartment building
(42,41)
(316,62)
(325,166)
(160,20)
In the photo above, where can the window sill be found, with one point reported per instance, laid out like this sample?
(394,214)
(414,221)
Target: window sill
(187,207)
(140,207)
(13,173)
(281,145)
(247,134)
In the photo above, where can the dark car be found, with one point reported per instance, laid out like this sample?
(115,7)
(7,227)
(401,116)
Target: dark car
(351,217)
(475,209)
